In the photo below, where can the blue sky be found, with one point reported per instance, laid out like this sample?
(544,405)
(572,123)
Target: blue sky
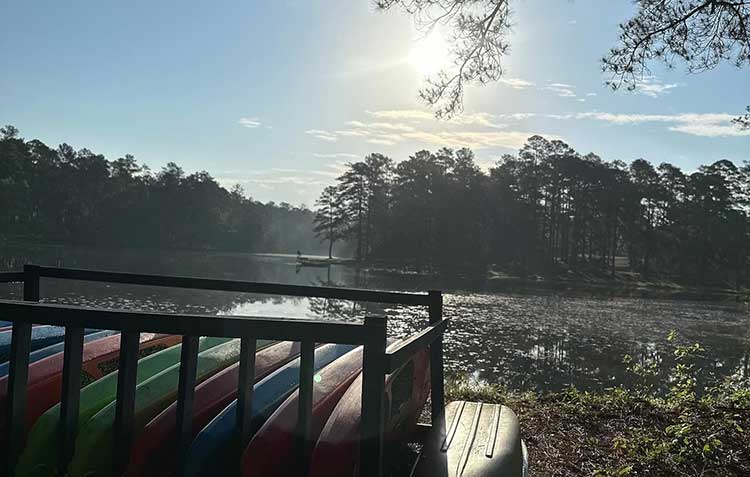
(278,95)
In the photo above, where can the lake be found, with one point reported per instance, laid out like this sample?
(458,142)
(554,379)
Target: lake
(532,340)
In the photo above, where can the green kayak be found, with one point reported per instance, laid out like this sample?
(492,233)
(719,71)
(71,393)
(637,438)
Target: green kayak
(40,456)
(93,455)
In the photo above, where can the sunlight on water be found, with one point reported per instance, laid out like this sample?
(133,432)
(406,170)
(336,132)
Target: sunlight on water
(524,341)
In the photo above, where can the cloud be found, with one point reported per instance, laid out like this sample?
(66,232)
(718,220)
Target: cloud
(695,124)
(653,87)
(476,140)
(251,123)
(517,83)
(408,114)
(335,155)
(562,90)
(324,135)
(476,130)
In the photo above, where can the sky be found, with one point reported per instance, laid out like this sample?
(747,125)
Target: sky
(279,95)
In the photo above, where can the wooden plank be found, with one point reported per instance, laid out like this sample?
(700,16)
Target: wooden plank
(437,394)
(11,277)
(287,329)
(71,385)
(18,373)
(125,405)
(236,286)
(245,392)
(304,413)
(18,376)
(373,389)
(407,348)
(185,395)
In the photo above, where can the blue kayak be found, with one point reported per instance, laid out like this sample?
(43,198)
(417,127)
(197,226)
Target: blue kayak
(212,447)
(41,337)
(54,349)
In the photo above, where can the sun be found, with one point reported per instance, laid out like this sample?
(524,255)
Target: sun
(429,55)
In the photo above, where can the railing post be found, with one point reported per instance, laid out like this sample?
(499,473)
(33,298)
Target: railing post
(18,374)
(125,404)
(304,402)
(373,390)
(185,395)
(245,393)
(437,394)
(70,397)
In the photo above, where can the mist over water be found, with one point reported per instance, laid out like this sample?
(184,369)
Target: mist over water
(532,340)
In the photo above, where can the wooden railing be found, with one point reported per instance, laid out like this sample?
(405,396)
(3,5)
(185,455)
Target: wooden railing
(371,335)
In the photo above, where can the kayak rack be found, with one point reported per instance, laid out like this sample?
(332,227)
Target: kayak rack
(371,334)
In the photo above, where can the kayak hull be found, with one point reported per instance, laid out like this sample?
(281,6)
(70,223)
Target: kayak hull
(212,451)
(153,452)
(481,440)
(271,451)
(406,390)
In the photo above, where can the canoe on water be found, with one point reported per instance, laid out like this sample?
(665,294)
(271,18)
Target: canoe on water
(153,451)
(480,440)
(40,456)
(93,454)
(54,349)
(271,450)
(41,337)
(406,389)
(213,453)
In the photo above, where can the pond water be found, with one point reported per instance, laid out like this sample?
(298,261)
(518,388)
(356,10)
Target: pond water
(532,340)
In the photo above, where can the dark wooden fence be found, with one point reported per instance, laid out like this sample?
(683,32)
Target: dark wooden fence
(371,335)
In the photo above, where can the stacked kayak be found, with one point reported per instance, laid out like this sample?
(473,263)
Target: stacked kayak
(153,451)
(45,375)
(35,356)
(337,450)
(335,420)
(40,455)
(41,336)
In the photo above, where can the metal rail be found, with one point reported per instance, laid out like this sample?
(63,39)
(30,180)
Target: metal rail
(371,334)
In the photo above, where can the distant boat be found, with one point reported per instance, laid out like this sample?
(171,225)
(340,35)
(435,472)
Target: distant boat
(322,262)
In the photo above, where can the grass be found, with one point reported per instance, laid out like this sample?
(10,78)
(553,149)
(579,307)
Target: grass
(640,431)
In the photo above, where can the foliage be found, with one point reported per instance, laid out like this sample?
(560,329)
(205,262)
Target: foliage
(550,210)
(639,431)
(701,33)
(79,197)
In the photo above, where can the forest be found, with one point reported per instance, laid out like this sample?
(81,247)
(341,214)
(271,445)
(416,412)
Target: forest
(64,196)
(547,210)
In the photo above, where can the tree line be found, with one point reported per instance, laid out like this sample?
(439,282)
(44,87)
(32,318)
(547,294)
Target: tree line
(79,197)
(547,209)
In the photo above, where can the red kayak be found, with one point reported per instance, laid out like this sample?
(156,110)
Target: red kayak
(100,357)
(271,450)
(153,450)
(337,451)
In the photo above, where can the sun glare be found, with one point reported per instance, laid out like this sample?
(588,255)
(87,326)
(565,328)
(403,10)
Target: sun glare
(429,55)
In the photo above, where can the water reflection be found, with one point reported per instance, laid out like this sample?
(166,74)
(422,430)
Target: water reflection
(540,341)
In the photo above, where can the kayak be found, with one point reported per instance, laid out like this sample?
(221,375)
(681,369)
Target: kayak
(406,390)
(44,383)
(153,451)
(212,451)
(54,349)
(480,439)
(93,454)
(271,450)
(41,336)
(41,453)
